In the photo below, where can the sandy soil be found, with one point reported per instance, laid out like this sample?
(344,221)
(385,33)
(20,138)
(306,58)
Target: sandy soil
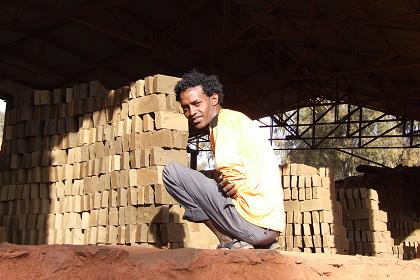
(108,262)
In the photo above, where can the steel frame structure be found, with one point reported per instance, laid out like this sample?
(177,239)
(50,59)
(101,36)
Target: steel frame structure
(353,125)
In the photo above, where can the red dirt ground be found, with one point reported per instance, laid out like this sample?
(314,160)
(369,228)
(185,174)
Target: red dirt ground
(109,262)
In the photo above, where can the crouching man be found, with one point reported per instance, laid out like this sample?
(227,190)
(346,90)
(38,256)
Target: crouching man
(244,206)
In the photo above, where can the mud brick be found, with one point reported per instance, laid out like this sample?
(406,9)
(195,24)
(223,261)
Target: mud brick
(179,139)
(45,205)
(130,215)
(115,179)
(160,156)
(326,216)
(146,214)
(328,241)
(150,103)
(75,220)
(372,194)
(77,204)
(104,182)
(291,205)
(113,216)
(58,224)
(104,199)
(136,89)
(363,193)
(319,193)
(94,184)
(130,234)
(93,235)
(58,157)
(295,193)
(307,229)
(103,217)
(316,204)
(301,194)
(307,241)
(35,206)
(97,197)
(148,123)
(125,160)
(124,178)
(78,236)
(287,193)
(297,241)
(150,175)
(93,217)
(351,204)
(68,171)
(132,195)
(31,221)
(297,217)
(153,235)
(307,217)
(135,157)
(171,120)
(149,194)
(126,142)
(112,234)
(163,84)
(289,217)
(148,85)
(177,233)
(107,132)
(161,138)
(67,187)
(308,193)
(121,216)
(325,228)
(122,197)
(162,196)
(297,229)
(316,228)
(136,124)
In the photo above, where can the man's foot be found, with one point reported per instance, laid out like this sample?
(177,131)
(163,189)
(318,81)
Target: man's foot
(235,244)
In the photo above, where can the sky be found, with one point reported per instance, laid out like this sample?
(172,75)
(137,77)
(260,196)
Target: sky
(2,105)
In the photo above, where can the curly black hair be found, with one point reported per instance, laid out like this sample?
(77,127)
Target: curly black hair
(209,83)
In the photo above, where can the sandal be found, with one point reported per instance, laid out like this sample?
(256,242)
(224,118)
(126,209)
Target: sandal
(235,244)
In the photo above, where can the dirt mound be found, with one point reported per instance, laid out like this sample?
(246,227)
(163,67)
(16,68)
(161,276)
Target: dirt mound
(108,262)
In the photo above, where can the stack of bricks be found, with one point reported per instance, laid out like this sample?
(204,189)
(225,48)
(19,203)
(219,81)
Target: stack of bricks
(83,165)
(313,216)
(405,229)
(366,224)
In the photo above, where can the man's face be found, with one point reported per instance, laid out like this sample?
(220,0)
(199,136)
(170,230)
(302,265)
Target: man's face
(198,107)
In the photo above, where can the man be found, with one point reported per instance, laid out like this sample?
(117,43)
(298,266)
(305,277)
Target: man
(244,208)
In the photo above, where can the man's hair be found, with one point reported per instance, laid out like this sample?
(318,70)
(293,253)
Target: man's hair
(209,83)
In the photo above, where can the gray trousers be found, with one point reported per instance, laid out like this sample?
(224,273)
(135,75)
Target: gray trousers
(203,201)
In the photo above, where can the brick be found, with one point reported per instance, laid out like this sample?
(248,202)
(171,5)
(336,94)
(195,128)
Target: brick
(150,175)
(162,196)
(164,84)
(149,195)
(103,217)
(112,234)
(132,195)
(130,234)
(160,156)
(150,103)
(171,120)
(122,197)
(148,123)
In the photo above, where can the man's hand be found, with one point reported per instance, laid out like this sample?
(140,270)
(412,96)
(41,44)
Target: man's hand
(228,188)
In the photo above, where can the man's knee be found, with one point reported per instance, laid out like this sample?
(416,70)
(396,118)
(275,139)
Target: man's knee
(170,174)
